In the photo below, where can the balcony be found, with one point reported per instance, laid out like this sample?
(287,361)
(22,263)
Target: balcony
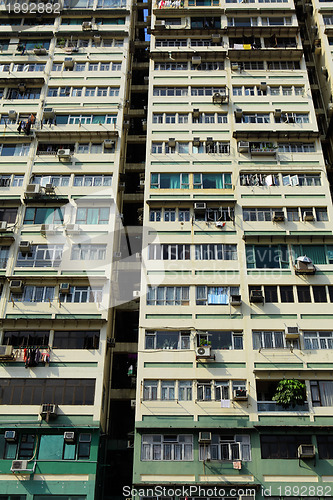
(268,406)
(263,151)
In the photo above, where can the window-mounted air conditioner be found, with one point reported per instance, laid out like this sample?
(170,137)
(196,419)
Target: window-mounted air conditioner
(159,22)
(292,332)
(68,63)
(48,411)
(238,113)
(277,113)
(87,25)
(205,437)
(10,436)
(234,66)
(243,147)
(196,113)
(172,142)
(64,288)
(49,188)
(16,286)
(235,300)
(200,206)
(256,296)
(240,395)
(196,141)
(109,144)
(196,60)
(263,86)
(278,216)
(3,226)
(22,87)
(25,246)
(48,113)
(117,255)
(12,114)
(72,229)
(308,215)
(6,351)
(69,437)
(306,451)
(48,229)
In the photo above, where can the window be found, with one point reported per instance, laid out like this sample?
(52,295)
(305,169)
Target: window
(322,392)
(82,294)
(33,293)
(76,339)
(169,252)
(226,448)
(325,446)
(268,340)
(83,452)
(293,214)
(207,91)
(271,294)
(185,390)
(166,66)
(170,91)
(321,214)
(169,181)
(167,447)
(88,252)
(155,215)
(8,215)
(26,338)
(14,149)
(92,180)
(30,391)
(319,293)
(215,295)
(167,339)
(150,390)
(41,256)
(216,252)
(168,296)
(204,391)
(303,293)
(297,148)
(55,180)
(212,181)
(93,215)
(258,214)
(267,256)
(167,390)
(318,340)
(255,118)
(282,445)
(224,340)
(44,215)
(286,293)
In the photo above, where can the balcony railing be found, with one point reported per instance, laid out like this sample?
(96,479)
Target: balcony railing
(273,406)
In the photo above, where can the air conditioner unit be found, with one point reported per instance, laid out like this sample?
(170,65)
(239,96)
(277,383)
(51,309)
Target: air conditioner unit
(277,113)
(69,437)
(3,226)
(196,141)
(238,113)
(234,66)
(256,296)
(68,62)
(203,351)
(235,300)
(6,351)
(302,267)
(278,216)
(12,114)
(172,142)
(142,182)
(20,466)
(138,255)
(292,332)
(306,451)
(22,87)
(218,98)
(243,147)
(48,410)
(64,288)
(205,437)
(159,22)
(48,229)
(48,113)
(196,60)
(72,229)
(108,144)
(240,395)
(97,39)
(25,246)
(33,190)
(308,216)
(209,141)
(87,25)
(49,188)
(117,255)
(64,154)
(263,86)
(196,113)
(136,294)
(10,436)
(200,206)
(133,403)
(16,286)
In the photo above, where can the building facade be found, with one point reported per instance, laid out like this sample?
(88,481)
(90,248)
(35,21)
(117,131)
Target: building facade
(237,288)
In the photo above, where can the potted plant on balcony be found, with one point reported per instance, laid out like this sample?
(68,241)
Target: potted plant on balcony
(205,343)
(39,50)
(61,43)
(289,392)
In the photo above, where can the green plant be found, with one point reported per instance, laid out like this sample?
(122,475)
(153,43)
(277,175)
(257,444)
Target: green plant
(204,342)
(289,392)
(61,42)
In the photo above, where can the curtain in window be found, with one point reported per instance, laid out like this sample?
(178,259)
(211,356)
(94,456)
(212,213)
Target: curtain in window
(212,181)
(92,215)
(98,119)
(326,392)
(218,295)
(315,252)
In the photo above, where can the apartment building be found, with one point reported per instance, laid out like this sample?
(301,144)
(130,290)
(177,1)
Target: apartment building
(237,286)
(65,329)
